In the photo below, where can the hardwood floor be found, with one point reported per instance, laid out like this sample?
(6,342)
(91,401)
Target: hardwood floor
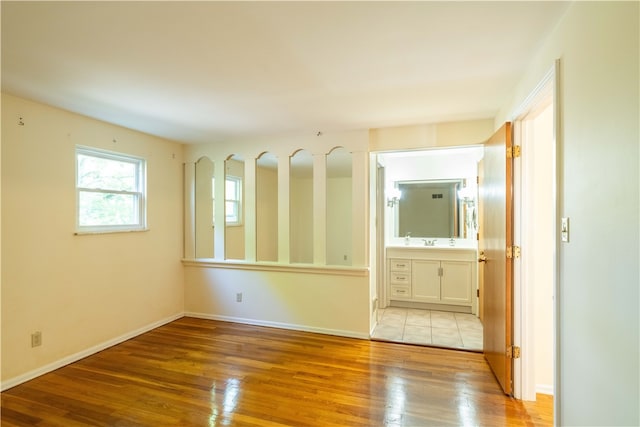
(195,372)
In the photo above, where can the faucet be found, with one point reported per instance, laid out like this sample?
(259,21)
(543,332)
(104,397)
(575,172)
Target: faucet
(429,242)
(452,242)
(407,238)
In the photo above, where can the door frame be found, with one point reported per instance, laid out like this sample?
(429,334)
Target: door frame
(524,370)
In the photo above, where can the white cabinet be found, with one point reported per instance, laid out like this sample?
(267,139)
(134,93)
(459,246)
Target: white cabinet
(433,276)
(400,277)
(425,280)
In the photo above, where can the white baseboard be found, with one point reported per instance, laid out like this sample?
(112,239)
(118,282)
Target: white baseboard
(291,326)
(12,382)
(544,389)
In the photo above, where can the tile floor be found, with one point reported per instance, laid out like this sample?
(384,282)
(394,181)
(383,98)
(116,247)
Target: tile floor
(429,327)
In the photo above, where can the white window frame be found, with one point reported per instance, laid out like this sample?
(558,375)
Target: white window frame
(235,199)
(140,193)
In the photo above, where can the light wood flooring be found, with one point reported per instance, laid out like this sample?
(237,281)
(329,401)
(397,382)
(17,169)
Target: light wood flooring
(195,372)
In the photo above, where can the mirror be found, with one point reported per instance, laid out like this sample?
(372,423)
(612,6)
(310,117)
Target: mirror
(204,220)
(339,207)
(430,209)
(415,177)
(267,207)
(234,207)
(301,207)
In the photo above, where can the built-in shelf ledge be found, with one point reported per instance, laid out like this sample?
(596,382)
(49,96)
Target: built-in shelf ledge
(338,270)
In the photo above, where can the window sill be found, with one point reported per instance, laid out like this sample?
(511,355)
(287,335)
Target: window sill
(133,230)
(273,266)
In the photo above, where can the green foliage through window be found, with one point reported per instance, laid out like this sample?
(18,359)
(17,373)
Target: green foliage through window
(110,191)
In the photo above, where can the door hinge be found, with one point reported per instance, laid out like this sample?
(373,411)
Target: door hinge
(513,252)
(513,152)
(513,352)
(478,293)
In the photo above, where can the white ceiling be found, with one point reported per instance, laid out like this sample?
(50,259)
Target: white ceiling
(210,71)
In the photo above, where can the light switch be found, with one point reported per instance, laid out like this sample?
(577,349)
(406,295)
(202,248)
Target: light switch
(564,229)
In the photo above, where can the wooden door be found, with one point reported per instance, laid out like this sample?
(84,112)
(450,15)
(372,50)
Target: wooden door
(496,198)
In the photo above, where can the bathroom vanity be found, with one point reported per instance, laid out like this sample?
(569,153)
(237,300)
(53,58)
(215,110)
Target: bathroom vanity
(432,277)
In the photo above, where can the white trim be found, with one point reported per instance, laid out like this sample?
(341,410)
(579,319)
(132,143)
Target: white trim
(286,268)
(543,88)
(133,230)
(544,389)
(557,139)
(139,194)
(12,382)
(524,369)
(279,325)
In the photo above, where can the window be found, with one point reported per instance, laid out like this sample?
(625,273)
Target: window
(233,199)
(110,191)
(233,196)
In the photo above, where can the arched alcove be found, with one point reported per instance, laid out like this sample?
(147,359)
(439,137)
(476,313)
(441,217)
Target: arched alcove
(267,207)
(234,207)
(204,211)
(339,207)
(301,207)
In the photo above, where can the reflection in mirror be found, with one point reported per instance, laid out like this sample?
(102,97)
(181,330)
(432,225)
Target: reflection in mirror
(339,207)
(430,209)
(204,208)
(301,207)
(234,207)
(267,207)
(414,169)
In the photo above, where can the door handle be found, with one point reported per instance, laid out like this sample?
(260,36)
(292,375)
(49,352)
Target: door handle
(482,257)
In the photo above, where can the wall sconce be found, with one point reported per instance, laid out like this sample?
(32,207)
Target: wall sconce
(466,194)
(393,197)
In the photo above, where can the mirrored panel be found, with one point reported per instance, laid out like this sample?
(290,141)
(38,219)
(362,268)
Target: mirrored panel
(301,207)
(234,207)
(339,207)
(204,212)
(267,207)
(429,208)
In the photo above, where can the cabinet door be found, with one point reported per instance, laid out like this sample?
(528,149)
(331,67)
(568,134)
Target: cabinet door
(425,281)
(456,282)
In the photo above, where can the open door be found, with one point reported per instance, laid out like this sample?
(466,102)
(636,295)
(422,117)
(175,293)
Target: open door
(496,240)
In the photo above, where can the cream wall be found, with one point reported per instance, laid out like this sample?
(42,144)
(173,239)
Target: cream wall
(433,135)
(82,292)
(542,239)
(204,208)
(266,214)
(235,234)
(311,299)
(598,296)
(301,217)
(313,296)
(339,221)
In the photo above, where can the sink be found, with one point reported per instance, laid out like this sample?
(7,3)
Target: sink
(438,243)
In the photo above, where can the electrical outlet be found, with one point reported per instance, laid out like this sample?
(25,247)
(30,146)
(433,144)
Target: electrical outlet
(36,339)
(239,297)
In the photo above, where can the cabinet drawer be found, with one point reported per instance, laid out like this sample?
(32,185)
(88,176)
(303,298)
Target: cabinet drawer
(400,278)
(400,291)
(400,265)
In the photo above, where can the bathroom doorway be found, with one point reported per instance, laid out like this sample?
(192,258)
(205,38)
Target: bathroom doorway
(426,313)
